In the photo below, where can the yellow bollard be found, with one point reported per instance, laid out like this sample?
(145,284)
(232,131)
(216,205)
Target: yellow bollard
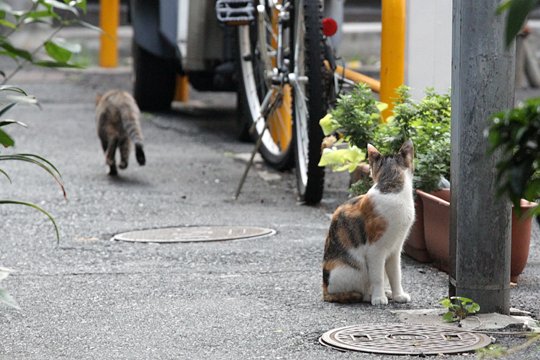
(392,51)
(109,14)
(182,88)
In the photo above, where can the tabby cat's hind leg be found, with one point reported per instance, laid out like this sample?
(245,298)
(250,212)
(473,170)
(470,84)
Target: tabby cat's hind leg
(104,144)
(124,153)
(109,157)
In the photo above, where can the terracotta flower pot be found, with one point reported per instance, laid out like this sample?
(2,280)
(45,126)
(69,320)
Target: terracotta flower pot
(437,232)
(415,245)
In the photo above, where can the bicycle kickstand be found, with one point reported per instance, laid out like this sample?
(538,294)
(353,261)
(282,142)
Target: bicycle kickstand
(266,107)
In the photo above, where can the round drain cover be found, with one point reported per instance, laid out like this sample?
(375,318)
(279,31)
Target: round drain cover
(194,234)
(404,339)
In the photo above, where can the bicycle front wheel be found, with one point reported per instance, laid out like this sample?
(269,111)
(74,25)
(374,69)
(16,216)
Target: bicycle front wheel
(257,60)
(309,98)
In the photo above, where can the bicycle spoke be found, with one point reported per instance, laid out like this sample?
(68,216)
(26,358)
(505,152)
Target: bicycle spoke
(263,87)
(310,101)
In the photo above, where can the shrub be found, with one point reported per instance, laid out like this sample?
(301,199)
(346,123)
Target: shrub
(426,123)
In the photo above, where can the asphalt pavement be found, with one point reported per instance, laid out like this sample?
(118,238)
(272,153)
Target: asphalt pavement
(91,297)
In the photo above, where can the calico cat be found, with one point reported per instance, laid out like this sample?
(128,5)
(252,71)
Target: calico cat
(117,118)
(366,235)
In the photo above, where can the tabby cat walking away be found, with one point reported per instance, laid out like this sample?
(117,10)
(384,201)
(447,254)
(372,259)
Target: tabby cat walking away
(117,118)
(367,233)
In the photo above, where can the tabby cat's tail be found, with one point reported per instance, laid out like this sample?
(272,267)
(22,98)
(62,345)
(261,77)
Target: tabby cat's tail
(139,154)
(134,132)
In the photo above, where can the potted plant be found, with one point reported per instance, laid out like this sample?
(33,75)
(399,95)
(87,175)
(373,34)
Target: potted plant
(356,120)
(427,123)
(514,132)
(437,233)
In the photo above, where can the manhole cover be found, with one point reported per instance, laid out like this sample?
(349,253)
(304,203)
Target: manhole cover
(194,234)
(404,339)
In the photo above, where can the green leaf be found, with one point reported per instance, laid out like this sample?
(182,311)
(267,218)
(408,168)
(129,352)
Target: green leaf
(41,162)
(72,47)
(6,175)
(6,108)
(342,159)
(381,106)
(7,24)
(9,122)
(446,303)
(15,202)
(473,308)
(57,52)
(328,124)
(4,273)
(5,139)
(16,52)
(43,16)
(81,4)
(4,295)
(88,26)
(461,299)
(518,10)
(42,159)
(8,300)
(12,88)
(60,5)
(449,317)
(504,6)
(27,99)
(55,64)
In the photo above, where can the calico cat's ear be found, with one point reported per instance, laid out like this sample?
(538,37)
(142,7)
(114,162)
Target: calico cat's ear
(373,154)
(407,153)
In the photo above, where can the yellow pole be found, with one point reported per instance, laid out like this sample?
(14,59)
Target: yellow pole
(392,51)
(182,88)
(108,22)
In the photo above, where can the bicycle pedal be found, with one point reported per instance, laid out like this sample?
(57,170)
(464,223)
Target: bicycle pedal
(235,12)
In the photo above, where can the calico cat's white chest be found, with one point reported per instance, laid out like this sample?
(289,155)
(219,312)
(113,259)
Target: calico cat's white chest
(398,211)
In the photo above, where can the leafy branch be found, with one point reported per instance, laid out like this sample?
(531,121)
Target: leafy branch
(41,11)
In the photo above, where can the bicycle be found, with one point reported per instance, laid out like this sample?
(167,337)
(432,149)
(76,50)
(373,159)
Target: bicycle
(284,84)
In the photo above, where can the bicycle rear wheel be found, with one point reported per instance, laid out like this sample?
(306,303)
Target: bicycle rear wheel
(256,62)
(309,98)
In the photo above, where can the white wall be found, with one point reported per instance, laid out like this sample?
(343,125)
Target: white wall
(428,47)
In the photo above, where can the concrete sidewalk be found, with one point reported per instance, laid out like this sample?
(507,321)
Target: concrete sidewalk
(94,298)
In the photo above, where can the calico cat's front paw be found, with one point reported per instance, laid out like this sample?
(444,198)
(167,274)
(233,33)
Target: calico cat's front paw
(402,298)
(379,300)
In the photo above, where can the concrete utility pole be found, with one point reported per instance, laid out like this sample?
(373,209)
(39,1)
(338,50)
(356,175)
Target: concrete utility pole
(482,84)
